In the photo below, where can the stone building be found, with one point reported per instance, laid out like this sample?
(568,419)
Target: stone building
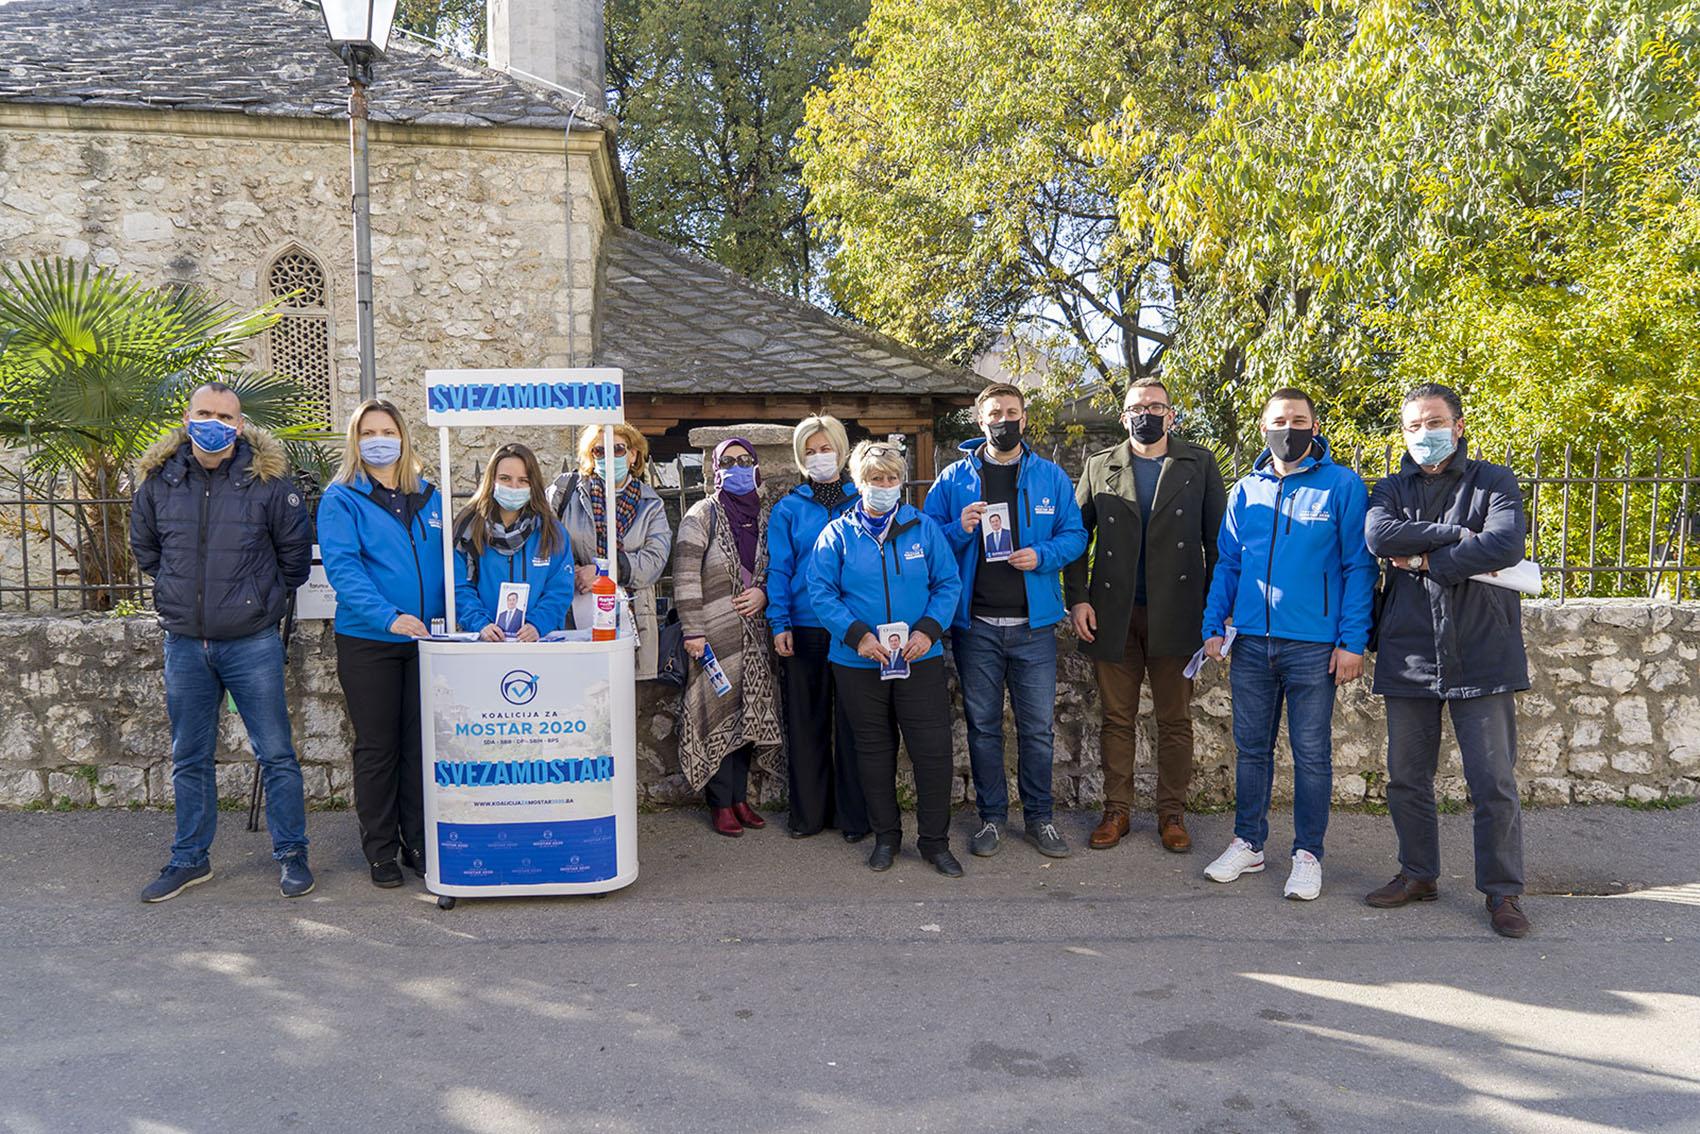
(207,143)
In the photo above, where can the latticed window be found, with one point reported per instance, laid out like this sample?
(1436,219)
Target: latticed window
(300,343)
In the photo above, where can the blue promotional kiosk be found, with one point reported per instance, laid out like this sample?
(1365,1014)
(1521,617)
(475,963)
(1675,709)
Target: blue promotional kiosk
(530,750)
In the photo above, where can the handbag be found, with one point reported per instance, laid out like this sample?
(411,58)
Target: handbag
(672,663)
(671,660)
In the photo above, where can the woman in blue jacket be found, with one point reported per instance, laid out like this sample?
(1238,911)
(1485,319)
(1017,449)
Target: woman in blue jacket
(508,534)
(381,538)
(880,563)
(825,790)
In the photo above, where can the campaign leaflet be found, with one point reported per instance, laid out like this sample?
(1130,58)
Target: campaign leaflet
(511,602)
(522,770)
(894,636)
(996,532)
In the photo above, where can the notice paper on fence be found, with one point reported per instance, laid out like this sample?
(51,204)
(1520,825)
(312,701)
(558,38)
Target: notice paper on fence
(1198,659)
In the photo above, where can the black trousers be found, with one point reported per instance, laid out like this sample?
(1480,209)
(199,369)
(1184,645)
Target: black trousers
(731,781)
(919,707)
(1486,728)
(826,790)
(380,681)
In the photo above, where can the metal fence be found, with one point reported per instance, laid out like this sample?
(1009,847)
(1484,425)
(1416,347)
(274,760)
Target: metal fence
(1623,523)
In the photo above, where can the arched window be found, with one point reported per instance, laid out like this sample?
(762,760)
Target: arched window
(300,342)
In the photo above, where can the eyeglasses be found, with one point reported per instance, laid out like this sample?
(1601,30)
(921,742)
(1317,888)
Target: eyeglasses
(883,451)
(744,462)
(1431,423)
(599,452)
(1151,407)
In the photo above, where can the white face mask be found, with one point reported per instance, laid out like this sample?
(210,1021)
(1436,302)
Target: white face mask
(821,466)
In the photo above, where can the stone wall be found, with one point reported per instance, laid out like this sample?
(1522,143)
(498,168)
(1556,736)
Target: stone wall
(1614,714)
(470,241)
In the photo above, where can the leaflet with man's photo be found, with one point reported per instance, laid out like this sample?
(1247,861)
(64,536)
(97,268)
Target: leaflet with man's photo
(894,636)
(996,532)
(510,607)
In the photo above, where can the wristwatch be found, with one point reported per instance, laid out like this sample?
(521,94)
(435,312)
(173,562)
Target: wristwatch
(1418,562)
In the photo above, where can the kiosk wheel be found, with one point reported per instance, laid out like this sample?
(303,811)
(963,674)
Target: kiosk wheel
(445,902)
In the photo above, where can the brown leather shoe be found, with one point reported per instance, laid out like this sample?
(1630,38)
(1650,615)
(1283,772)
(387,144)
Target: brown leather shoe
(1401,891)
(748,816)
(725,822)
(1109,831)
(1506,914)
(1172,830)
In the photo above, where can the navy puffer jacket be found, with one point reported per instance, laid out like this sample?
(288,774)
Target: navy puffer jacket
(226,547)
(1441,633)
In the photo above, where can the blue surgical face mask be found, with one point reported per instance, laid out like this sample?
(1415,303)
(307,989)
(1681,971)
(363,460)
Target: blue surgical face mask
(737,480)
(380,452)
(621,466)
(211,435)
(879,500)
(1431,446)
(511,499)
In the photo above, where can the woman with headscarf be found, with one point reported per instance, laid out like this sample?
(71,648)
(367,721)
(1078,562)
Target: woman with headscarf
(719,581)
(820,752)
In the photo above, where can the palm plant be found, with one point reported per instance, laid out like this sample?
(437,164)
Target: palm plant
(96,366)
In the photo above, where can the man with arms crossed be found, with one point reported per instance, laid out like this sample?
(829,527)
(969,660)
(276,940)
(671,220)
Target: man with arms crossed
(1447,640)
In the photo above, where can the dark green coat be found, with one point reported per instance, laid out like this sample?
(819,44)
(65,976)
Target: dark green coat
(1186,515)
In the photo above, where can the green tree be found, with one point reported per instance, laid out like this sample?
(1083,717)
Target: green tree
(1500,196)
(959,167)
(710,94)
(95,367)
(457,24)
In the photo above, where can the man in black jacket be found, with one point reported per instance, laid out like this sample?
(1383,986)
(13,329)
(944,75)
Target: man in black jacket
(223,531)
(1444,523)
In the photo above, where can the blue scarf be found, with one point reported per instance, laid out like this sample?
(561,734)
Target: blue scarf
(875,526)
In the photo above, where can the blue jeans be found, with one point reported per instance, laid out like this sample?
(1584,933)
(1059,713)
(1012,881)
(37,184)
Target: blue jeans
(990,659)
(197,674)
(1263,673)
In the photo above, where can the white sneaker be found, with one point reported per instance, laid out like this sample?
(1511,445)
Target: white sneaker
(1238,859)
(1305,882)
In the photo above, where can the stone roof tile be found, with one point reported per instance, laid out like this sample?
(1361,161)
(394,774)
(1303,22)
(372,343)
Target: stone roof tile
(676,323)
(265,58)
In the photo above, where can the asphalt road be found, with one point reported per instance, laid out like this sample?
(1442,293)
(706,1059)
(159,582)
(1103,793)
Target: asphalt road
(765,984)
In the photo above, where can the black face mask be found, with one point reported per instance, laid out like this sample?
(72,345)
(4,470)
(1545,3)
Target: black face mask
(1289,444)
(1147,428)
(1005,435)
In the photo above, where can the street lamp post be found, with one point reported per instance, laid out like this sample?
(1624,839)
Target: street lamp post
(359,31)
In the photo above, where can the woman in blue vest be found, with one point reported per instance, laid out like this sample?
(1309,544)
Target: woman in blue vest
(507,534)
(381,539)
(885,562)
(825,791)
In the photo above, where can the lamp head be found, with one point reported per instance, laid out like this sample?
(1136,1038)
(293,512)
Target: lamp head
(359,30)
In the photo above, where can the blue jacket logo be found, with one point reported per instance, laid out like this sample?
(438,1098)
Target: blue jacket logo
(519,687)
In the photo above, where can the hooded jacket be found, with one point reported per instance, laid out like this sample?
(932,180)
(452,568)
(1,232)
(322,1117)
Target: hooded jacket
(226,547)
(858,582)
(793,527)
(1291,560)
(380,566)
(1442,634)
(550,578)
(1049,523)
